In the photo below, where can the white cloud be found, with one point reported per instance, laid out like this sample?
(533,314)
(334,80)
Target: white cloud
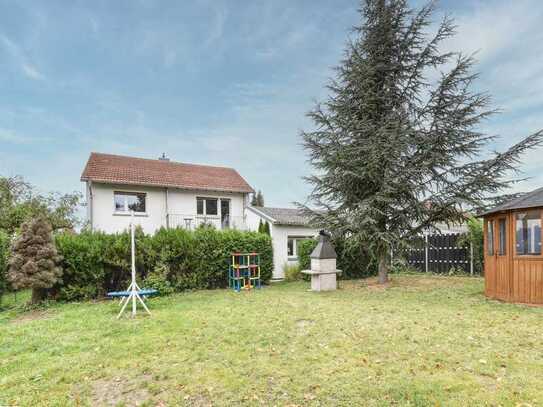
(12,137)
(490,28)
(19,57)
(216,29)
(508,42)
(31,71)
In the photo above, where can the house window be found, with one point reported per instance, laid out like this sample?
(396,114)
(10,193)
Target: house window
(292,245)
(129,201)
(528,233)
(207,206)
(490,238)
(502,237)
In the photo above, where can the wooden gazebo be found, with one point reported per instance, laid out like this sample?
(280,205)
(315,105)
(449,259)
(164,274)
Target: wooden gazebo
(513,252)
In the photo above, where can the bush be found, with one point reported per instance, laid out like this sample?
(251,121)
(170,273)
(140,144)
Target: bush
(4,251)
(34,260)
(158,279)
(354,261)
(171,260)
(305,247)
(474,236)
(292,272)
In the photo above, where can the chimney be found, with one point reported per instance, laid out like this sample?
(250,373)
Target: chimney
(163,158)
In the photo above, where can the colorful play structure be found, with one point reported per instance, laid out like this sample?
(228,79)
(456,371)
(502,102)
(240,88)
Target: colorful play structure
(133,293)
(244,271)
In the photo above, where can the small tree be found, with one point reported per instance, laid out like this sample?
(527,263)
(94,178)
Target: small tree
(19,202)
(266,228)
(34,259)
(260,226)
(258,199)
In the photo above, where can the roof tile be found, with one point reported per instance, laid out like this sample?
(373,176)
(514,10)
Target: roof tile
(285,216)
(529,200)
(116,169)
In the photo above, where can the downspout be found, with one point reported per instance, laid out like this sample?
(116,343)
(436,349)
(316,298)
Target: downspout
(167,209)
(245,205)
(89,189)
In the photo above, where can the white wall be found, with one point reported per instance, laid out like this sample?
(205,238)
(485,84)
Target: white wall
(180,202)
(253,220)
(105,219)
(280,234)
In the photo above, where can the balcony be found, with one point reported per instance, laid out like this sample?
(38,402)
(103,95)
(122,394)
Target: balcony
(191,221)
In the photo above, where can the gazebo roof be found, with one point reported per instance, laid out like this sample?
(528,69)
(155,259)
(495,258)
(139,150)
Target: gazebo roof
(532,199)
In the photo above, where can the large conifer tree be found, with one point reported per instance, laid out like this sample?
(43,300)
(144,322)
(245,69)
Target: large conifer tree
(397,146)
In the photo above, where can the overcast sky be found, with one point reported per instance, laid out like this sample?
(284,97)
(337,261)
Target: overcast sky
(223,82)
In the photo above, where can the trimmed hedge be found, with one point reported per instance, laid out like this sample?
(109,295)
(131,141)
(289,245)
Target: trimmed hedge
(354,261)
(171,260)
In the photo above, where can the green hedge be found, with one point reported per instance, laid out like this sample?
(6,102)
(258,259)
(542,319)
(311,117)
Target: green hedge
(171,260)
(4,251)
(353,260)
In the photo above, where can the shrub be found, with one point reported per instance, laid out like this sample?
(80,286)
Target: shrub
(34,259)
(158,279)
(292,272)
(354,260)
(305,247)
(170,260)
(4,250)
(173,250)
(95,263)
(474,236)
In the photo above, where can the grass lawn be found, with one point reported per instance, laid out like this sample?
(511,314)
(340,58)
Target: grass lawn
(422,341)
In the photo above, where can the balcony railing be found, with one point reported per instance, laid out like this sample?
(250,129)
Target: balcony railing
(190,221)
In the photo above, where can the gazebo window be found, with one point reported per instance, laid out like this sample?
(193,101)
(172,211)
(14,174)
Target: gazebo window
(502,237)
(528,233)
(490,238)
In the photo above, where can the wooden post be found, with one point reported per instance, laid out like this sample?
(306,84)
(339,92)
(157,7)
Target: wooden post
(471,257)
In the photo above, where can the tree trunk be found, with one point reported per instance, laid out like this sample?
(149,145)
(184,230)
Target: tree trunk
(383,268)
(38,295)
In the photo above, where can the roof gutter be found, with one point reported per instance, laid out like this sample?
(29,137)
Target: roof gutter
(148,184)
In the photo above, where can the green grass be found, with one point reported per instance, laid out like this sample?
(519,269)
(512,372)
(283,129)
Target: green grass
(422,341)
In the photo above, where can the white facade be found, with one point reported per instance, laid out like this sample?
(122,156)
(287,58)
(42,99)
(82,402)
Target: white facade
(281,235)
(163,207)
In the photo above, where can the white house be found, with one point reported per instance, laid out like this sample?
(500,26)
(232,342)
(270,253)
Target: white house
(162,193)
(287,228)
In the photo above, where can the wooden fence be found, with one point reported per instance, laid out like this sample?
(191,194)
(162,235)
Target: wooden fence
(439,253)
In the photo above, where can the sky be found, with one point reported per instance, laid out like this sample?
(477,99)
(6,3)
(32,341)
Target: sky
(220,82)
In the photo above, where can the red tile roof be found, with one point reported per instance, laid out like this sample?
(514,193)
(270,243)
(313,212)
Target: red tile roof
(116,169)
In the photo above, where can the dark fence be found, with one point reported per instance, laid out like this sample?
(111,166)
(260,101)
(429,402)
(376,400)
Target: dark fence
(439,253)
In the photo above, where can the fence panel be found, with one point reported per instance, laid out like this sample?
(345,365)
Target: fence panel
(439,253)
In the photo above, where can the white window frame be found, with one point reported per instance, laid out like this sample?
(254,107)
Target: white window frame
(295,240)
(126,210)
(205,214)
